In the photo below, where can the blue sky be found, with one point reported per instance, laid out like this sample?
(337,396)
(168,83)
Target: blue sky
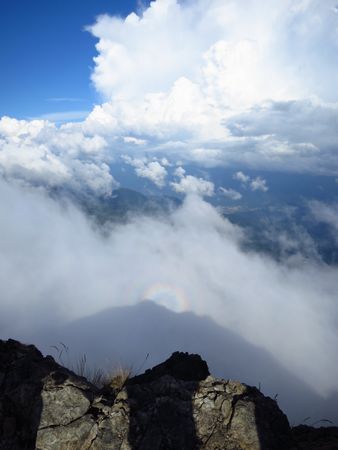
(46,54)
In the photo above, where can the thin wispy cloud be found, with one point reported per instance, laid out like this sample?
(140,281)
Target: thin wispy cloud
(63,116)
(65,99)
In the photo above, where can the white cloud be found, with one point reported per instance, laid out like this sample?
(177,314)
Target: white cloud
(231,193)
(213,93)
(229,47)
(326,213)
(165,162)
(245,88)
(64,116)
(134,140)
(179,172)
(189,184)
(182,112)
(240,176)
(38,153)
(256,184)
(154,171)
(259,184)
(131,62)
(237,56)
(151,170)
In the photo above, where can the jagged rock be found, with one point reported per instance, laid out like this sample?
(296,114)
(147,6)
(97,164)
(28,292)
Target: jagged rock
(309,438)
(181,366)
(176,405)
(37,396)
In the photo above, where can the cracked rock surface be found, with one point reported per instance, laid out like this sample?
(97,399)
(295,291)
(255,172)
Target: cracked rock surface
(176,405)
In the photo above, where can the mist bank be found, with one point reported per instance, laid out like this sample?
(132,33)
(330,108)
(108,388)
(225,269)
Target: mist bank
(57,267)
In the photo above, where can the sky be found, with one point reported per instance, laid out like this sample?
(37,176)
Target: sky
(204,82)
(47,56)
(171,92)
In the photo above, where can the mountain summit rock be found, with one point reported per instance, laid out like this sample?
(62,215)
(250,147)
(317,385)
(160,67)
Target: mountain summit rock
(176,405)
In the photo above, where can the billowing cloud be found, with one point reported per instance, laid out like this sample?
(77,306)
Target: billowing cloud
(38,153)
(235,53)
(228,87)
(245,89)
(148,169)
(188,184)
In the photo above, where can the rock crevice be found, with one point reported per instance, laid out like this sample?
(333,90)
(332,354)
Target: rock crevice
(176,405)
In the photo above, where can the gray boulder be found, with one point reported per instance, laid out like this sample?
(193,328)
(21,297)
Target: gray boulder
(176,405)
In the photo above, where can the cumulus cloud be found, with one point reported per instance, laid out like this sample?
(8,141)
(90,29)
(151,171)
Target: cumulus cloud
(230,193)
(165,162)
(179,172)
(182,112)
(188,184)
(259,184)
(229,48)
(55,267)
(148,169)
(38,153)
(255,184)
(240,176)
(245,88)
(216,88)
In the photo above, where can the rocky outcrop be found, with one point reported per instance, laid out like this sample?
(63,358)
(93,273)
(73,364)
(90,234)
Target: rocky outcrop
(42,405)
(176,405)
(309,438)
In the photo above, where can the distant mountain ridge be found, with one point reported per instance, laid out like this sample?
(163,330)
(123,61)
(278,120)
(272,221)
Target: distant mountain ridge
(275,227)
(124,203)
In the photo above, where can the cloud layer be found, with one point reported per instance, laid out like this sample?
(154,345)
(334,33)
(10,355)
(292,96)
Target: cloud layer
(56,267)
(215,82)
(38,153)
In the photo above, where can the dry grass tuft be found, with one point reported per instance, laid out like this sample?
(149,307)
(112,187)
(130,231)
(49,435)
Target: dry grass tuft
(95,376)
(115,379)
(118,378)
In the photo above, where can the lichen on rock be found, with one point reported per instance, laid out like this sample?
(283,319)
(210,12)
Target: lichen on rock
(177,405)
